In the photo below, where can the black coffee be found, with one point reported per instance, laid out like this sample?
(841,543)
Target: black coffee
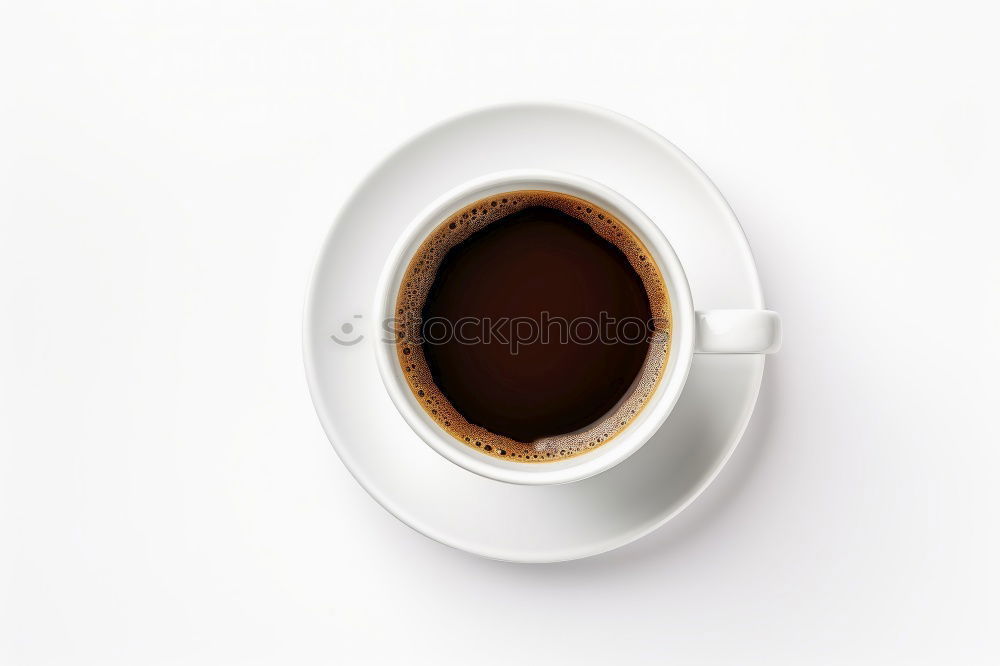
(532,325)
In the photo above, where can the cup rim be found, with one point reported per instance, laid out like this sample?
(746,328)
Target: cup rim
(655,410)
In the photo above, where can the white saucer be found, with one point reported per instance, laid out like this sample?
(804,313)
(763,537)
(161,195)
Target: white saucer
(457,507)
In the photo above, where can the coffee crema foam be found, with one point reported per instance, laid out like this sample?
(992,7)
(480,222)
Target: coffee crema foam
(421,273)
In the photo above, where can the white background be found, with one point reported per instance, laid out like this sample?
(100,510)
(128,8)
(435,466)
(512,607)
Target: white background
(169,170)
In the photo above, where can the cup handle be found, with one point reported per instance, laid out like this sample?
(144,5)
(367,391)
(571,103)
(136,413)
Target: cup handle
(737,332)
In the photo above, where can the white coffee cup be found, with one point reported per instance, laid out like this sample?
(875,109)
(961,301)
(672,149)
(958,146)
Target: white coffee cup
(714,331)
